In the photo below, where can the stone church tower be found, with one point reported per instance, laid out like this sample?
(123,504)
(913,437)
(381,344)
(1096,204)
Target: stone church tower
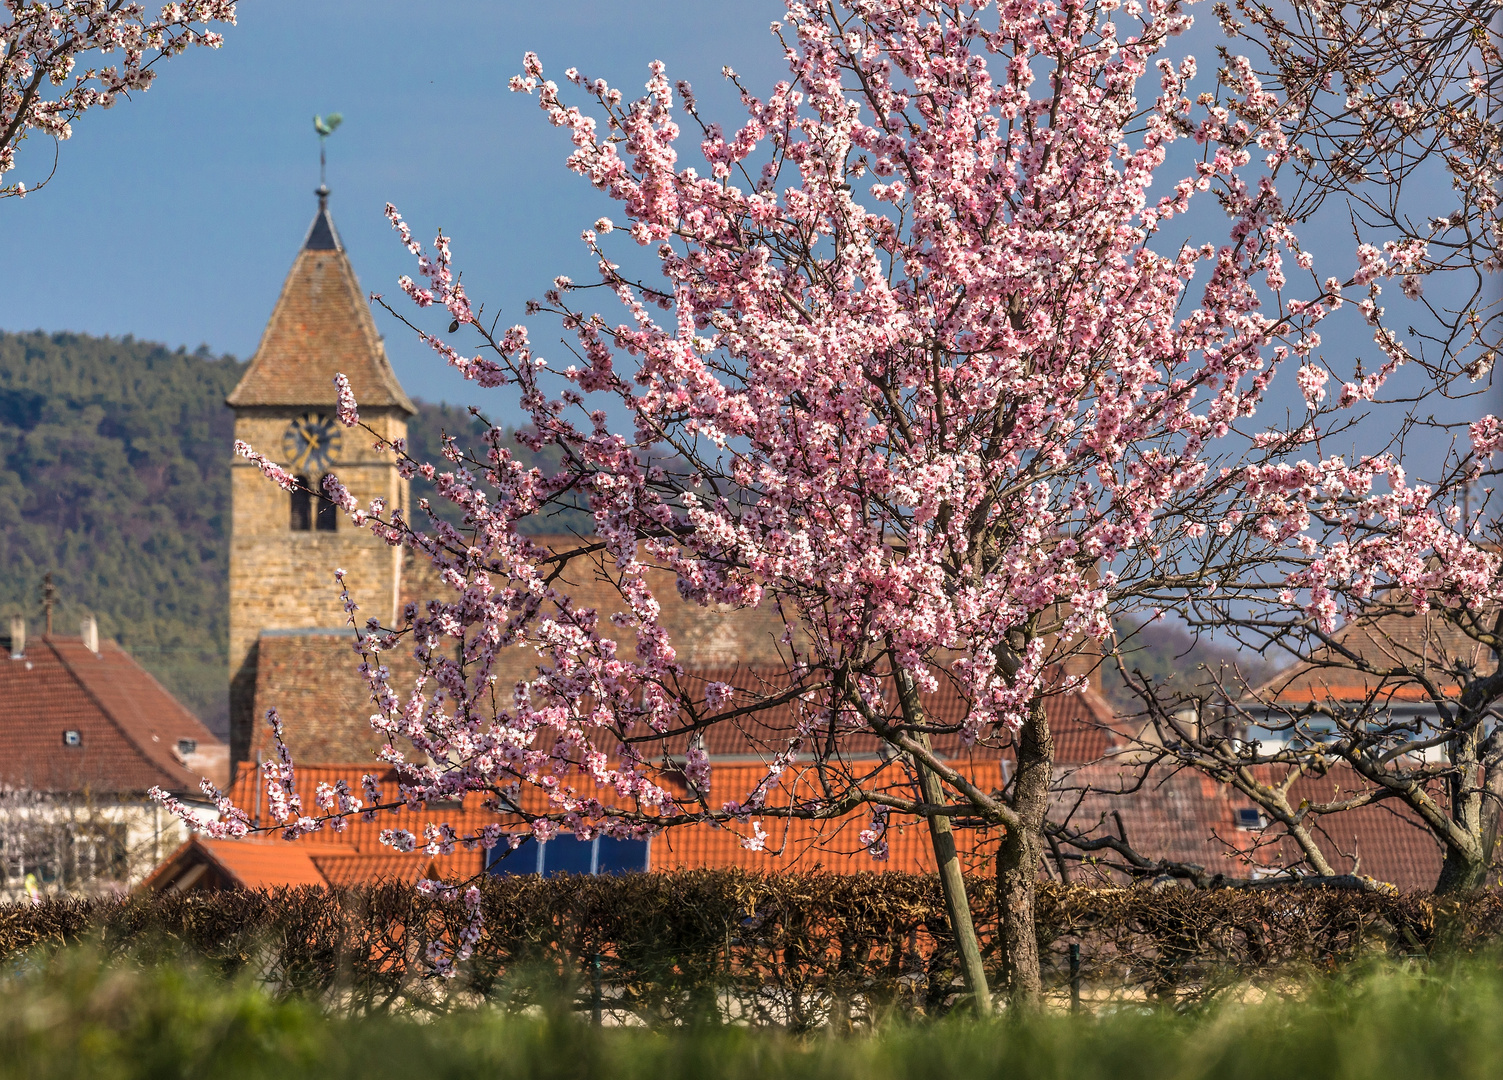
(284,547)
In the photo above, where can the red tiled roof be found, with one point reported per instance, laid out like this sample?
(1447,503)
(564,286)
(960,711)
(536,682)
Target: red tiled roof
(1394,640)
(1183,816)
(1188,817)
(129,726)
(1387,840)
(234,864)
(321,326)
(313,682)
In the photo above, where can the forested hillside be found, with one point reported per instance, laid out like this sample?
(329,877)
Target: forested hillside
(114,476)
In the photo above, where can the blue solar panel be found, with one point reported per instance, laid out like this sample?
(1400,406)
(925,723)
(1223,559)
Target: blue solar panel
(621,856)
(566,855)
(524,860)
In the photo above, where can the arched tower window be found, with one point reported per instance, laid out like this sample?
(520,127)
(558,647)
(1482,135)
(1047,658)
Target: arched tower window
(302,506)
(328,513)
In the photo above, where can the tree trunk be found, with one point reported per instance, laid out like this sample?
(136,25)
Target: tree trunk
(1018,862)
(1473,793)
(1462,871)
(952,883)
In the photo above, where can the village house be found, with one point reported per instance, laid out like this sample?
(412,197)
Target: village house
(85,732)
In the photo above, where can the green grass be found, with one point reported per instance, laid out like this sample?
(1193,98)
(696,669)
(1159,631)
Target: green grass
(73,1017)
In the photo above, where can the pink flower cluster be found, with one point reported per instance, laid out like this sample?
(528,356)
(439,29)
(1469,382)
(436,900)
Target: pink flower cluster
(43,89)
(348,415)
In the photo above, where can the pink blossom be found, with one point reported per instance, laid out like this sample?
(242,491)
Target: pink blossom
(347,414)
(44,88)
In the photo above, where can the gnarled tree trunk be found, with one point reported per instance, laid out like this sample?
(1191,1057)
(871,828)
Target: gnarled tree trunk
(1475,791)
(1018,861)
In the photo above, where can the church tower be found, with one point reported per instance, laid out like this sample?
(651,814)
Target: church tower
(285,547)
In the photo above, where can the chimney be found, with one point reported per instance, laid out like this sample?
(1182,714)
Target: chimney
(89,631)
(17,637)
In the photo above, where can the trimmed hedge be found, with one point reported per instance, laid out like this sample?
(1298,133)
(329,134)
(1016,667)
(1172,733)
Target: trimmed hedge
(795,950)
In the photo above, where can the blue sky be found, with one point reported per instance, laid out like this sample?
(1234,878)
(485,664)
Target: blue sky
(175,216)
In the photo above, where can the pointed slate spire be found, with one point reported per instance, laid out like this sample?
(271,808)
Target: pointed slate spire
(321,234)
(320,326)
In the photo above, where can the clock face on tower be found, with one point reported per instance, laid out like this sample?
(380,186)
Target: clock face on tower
(311,442)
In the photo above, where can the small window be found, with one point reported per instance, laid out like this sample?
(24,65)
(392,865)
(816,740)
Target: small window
(1248,817)
(328,513)
(187,746)
(72,738)
(302,506)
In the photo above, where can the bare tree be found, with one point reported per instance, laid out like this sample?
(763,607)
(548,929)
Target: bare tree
(1397,128)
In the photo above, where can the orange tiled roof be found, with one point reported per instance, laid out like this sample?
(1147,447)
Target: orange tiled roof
(357,855)
(362,838)
(1179,815)
(345,868)
(1394,640)
(321,326)
(234,864)
(129,726)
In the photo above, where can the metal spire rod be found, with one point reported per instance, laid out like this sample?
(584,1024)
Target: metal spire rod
(325,126)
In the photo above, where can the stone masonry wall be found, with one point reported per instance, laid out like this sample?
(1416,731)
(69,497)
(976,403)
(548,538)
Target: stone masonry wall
(280,579)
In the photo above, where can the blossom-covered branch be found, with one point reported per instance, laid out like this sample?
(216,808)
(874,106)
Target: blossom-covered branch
(48,72)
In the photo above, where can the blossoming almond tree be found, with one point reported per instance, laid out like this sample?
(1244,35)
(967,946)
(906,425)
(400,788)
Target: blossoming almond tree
(43,89)
(939,382)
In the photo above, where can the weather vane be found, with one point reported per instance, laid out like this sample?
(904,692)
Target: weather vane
(325,126)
